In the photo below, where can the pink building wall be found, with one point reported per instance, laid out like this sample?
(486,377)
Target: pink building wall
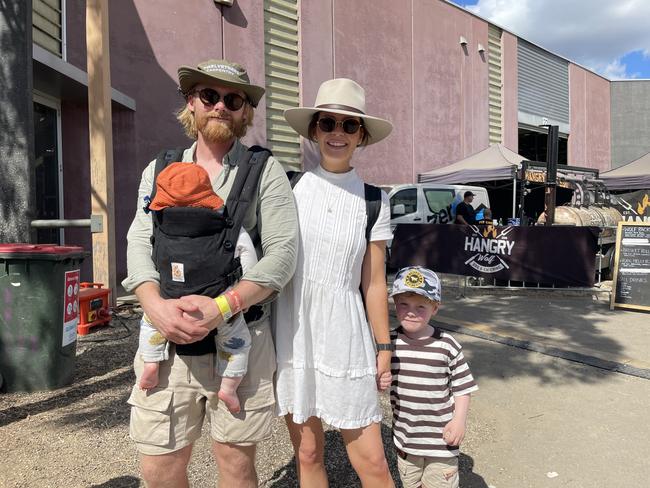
(589,143)
(382,65)
(415,74)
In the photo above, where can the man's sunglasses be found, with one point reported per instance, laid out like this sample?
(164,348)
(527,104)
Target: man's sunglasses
(232,101)
(328,124)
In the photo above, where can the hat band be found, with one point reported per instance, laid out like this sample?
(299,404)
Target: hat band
(335,106)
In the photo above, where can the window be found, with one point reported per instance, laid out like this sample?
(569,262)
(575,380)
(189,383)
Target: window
(439,203)
(532,145)
(438,200)
(408,198)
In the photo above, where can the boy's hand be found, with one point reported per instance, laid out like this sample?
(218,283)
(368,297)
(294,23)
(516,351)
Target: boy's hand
(383,369)
(454,432)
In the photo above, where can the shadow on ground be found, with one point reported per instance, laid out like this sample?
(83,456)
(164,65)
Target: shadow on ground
(341,474)
(121,482)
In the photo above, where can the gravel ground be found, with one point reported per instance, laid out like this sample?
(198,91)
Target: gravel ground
(77,436)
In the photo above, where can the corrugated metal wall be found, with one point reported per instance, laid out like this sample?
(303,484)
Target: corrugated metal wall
(495,85)
(282,78)
(543,81)
(47,30)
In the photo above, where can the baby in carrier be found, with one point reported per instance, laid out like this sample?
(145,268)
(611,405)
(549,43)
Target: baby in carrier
(193,261)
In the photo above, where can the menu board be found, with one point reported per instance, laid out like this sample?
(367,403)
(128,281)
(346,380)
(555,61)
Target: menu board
(631,286)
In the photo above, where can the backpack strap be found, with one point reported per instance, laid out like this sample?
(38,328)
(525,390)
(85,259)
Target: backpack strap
(294,177)
(164,159)
(373,206)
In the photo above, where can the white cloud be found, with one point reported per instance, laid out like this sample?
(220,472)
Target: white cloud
(594,33)
(616,70)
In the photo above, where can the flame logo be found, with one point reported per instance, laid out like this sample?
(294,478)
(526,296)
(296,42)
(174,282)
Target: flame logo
(490,229)
(643,205)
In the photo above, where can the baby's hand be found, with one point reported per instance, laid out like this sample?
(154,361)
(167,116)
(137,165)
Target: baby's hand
(454,432)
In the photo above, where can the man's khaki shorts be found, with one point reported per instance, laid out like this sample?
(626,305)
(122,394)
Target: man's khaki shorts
(416,471)
(170,416)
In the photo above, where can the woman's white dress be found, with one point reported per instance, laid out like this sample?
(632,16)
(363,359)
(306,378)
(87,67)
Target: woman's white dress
(324,345)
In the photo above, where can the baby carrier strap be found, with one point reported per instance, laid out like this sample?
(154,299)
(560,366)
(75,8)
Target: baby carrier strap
(372,196)
(244,189)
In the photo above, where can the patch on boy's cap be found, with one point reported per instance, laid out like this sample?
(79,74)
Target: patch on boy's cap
(414,279)
(417,279)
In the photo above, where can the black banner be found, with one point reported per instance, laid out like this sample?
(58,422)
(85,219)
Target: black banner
(560,255)
(634,206)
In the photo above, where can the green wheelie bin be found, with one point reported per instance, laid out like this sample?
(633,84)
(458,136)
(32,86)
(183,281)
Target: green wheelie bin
(39,313)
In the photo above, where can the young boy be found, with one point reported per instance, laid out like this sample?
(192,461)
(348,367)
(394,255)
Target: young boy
(431,385)
(188,185)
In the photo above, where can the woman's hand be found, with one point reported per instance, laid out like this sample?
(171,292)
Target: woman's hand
(384,376)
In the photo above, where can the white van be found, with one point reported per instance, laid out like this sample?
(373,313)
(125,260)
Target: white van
(430,203)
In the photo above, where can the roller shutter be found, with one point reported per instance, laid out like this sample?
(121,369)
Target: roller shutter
(282,78)
(47,30)
(543,81)
(495,84)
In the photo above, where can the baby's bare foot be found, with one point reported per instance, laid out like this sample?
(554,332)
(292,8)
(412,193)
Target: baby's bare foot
(149,377)
(230,399)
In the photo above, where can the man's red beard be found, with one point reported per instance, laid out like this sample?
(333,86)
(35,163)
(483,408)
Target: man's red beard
(220,130)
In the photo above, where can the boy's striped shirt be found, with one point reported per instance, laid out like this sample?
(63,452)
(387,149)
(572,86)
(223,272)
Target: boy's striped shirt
(427,374)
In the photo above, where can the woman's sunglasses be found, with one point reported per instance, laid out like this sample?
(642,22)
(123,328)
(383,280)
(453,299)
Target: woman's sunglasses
(232,101)
(328,124)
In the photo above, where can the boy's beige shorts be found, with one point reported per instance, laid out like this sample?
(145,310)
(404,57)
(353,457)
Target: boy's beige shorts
(170,416)
(416,471)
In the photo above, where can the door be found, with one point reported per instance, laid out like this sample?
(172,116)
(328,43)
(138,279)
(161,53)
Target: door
(48,169)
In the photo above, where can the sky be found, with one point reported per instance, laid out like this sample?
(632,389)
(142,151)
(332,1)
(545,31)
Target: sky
(611,37)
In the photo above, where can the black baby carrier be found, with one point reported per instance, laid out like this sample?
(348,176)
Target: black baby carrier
(194,248)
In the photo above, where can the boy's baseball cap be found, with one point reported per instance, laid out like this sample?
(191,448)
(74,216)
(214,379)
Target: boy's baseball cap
(185,185)
(417,279)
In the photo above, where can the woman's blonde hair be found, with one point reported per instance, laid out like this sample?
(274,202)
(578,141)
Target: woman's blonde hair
(186,117)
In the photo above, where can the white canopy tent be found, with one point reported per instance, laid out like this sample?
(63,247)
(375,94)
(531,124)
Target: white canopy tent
(631,176)
(496,162)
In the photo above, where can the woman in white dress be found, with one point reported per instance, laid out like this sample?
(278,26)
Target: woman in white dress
(331,362)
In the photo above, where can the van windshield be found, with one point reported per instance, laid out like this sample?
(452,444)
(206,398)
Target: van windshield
(440,204)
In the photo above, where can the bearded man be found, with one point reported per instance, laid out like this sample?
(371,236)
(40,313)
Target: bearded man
(166,420)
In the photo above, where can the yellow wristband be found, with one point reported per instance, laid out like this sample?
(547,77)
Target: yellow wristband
(224,307)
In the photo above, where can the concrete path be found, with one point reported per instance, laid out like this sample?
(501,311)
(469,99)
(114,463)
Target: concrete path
(578,328)
(540,421)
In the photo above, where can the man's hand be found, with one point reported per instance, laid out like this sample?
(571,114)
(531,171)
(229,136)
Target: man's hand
(384,376)
(204,313)
(168,316)
(454,432)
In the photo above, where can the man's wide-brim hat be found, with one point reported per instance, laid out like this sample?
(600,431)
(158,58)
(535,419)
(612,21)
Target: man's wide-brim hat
(220,71)
(185,185)
(339,96)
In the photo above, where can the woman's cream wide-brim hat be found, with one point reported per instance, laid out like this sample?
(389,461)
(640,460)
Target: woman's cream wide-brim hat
(339,96)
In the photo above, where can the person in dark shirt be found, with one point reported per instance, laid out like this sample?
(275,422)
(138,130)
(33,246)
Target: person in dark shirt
(465,213)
